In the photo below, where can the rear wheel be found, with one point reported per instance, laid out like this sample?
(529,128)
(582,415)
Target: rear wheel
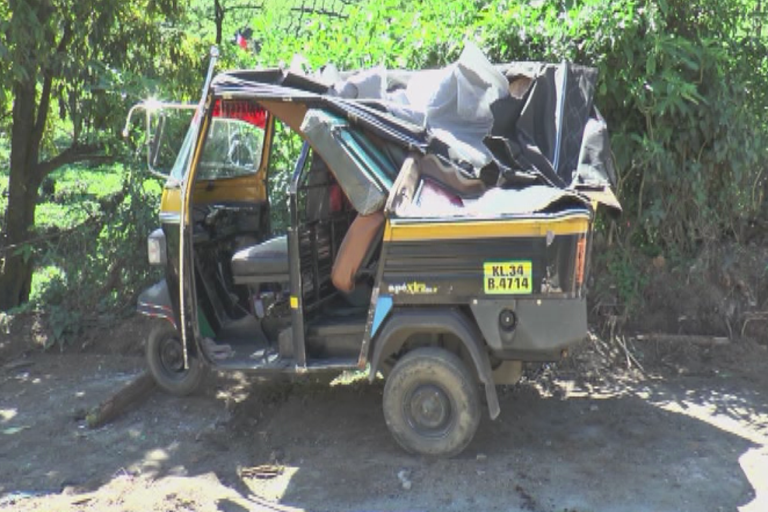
(431,403)
(165,357)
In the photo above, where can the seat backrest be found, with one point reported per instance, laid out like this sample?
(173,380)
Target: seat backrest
(356,249)
(317,189)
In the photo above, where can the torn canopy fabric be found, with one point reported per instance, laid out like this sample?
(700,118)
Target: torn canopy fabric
(510,125)
(513,124)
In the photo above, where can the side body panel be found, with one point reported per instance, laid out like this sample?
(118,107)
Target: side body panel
(244,189)
(432,322)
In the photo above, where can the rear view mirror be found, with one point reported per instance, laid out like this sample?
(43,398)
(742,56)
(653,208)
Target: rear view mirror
(165,127)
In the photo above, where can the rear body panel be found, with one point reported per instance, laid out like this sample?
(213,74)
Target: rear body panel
(454,263)
(533,266)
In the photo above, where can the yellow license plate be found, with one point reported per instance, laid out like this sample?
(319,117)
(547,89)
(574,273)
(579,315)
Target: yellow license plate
(507,277)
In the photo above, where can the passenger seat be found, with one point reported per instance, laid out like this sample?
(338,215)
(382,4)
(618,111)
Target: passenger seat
(356,250)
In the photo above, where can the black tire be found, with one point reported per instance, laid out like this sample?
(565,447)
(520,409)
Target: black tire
(166,362)
(431,403)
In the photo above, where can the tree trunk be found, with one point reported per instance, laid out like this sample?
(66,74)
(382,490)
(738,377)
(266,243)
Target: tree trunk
(218,19)
(16,274)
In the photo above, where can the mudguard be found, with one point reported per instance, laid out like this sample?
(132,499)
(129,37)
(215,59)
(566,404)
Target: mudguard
(402,324)
(155,302)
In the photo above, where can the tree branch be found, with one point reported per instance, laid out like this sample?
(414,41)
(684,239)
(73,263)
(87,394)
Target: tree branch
(42,109)
(322,12)
(242,8)
(218,18)
(45,96)
(73,154)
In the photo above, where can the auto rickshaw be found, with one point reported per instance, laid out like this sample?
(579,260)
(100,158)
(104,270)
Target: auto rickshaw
(439,233)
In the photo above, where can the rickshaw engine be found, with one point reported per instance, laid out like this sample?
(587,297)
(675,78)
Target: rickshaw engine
(268,303)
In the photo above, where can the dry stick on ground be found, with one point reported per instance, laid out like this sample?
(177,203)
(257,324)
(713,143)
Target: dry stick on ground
(695,339)
(618,340)
(138,389)
(630,358)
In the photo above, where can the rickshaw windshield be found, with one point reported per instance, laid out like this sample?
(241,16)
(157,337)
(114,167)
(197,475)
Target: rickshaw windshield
(232,148)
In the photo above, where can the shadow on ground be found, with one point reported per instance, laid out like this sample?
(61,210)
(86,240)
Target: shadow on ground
(675,445)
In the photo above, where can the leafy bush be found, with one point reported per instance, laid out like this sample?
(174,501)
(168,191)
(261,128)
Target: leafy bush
(393,33)
(683,84)
(91,247)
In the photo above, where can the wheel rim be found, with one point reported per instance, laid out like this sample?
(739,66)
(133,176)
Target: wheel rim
(428,410)
(172,357)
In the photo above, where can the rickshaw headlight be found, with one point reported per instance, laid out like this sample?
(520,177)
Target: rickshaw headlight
(156,248)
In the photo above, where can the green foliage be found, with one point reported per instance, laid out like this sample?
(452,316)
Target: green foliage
(92,253)
(626,276)
(78,190)
(72,69)
(97,56)
(286,148)
(64,322)
(392,33)
(684,86)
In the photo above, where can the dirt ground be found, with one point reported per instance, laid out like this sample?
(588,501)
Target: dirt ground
(691,434)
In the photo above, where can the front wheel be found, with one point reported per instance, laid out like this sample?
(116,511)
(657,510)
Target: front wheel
(165,357)
(431,403)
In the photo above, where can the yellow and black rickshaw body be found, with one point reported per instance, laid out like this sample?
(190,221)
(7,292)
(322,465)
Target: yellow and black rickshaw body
(452,260)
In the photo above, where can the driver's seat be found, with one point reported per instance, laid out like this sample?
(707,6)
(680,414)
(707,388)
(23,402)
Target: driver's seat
(266,262)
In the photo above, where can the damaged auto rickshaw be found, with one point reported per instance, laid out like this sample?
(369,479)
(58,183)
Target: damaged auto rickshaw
(439,233)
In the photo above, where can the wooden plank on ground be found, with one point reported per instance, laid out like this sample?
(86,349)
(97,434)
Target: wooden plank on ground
(138,389)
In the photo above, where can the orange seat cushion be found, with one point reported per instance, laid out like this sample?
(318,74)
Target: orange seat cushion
(361,238)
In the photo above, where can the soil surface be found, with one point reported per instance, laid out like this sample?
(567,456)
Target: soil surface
(690,433)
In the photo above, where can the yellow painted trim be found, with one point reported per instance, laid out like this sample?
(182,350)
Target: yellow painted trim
(387,231)
(266,146)
(171,200)
(294,302)
(500,228)
(244,189)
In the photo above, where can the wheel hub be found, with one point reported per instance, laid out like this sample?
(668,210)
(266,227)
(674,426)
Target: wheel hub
(429,410)
(171,355)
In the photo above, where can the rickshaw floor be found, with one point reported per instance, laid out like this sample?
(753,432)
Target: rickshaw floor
(243,331)
(246,363)
(245,358)
(332,342)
